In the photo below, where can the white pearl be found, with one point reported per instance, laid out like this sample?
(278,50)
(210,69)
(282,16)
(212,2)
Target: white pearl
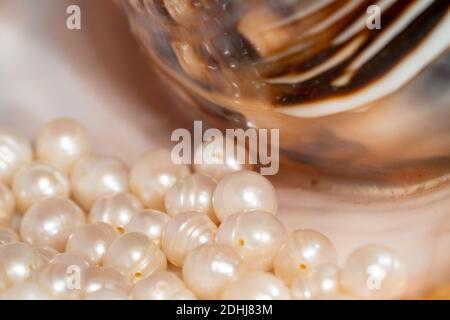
(303,250)
(185,232)
(70,259)
(243,191)
(135,256)
(255,235)
(60,281)
(37,181)
(99,278)
(7,205)
(15,152)
(193,193)
(153,175)
(27,290)
(321,282)
(256,286)
(50,221)
(94,177)
(216,162)
(161,286)
(91,241)
(7,236)
(18,261)
(149,222)
(116,209)
(209,268)
(107,294)
(62,142)
(373,272)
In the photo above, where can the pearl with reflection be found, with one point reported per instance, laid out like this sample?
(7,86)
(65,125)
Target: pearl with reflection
(100,278)
(7,236)
(37,181)
(62,142)
(18,260)
(7,205)
(97,176)
(70,259)
(255,235)
(149,222)
(61,281)
(243,191)
(303,250)
(321,282)
(161,286)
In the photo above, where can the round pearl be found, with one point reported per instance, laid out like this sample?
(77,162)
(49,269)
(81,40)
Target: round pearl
(70,259)
(91,242)
(37,181)
(94,177)
(27,290)
(15,152)
(216,162)
(18,260)
(193,193)
(209,268)
(99,278)
(7,236)
(116,210)
(135,256)
(7,205)
(149,222)
(161,286)
(303,250)
(256,286)
(62,142)
(243,191)
(153,175)
(373,272)
(50,221)
(255,235)
(60,280)
(107,294)
(185,232)
(321,282)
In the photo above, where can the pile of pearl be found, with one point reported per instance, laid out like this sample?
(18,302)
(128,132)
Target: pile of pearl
(79,225)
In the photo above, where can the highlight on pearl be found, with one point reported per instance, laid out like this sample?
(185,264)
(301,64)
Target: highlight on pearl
(161,286)
(149,222)
(7,205)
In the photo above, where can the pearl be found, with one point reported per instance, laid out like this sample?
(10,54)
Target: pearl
(149,222)
(94,177)
(303,250)
(15,152)
(37,181)
(18,262)
(373,272)
(135,256)
(62,142)
(100,278)
(153,175)
(243,191)
(256,286)
(209,268)
(193,193)
(7,236)
(116,209)
(255,235)
(7,205)
(50,221)
(107,294)
(321,282)
(161,286)
(70,259)
(27,290)
(60,281)
(216,162)
(91,241)
(185,232)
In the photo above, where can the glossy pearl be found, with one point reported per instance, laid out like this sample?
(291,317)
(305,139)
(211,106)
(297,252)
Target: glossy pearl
(37,181)
(135,256)
(193,193)
(243,191)
(153,175)
(256,286)
(94,177)
(62,142)
(161,286)
(107,294)
(7,205)
(61,281)
(373,272)
(91,242)
(255,235)
(18,262)
(303,250)
(116,209)
(7,236)
(209,268)
(70,259)
(100,278)
(27,290)
(185,232)
(50,221)
(321,282)
(149,222)
(216,162)
(15,152)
